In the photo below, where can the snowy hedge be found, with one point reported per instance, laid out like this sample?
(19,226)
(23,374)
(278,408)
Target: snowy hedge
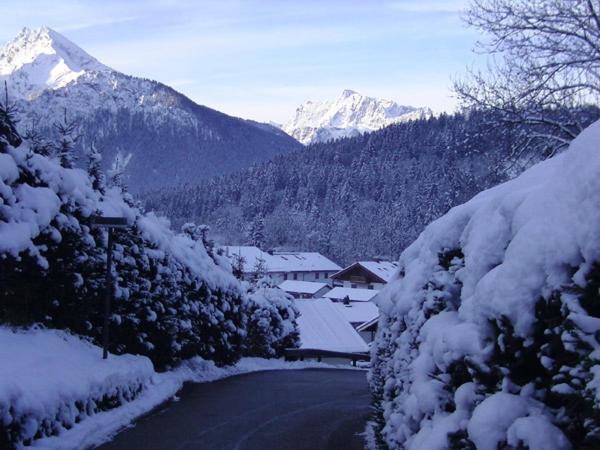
(490,333)
(173,297)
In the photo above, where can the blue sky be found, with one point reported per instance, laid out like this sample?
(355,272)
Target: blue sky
(261,59)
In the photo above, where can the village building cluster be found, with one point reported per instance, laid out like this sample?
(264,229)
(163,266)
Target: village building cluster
(337,304)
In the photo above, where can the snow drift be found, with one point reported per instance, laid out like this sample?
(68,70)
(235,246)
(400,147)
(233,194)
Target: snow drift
(488,336)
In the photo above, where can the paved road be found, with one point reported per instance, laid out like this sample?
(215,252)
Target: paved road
(276,410)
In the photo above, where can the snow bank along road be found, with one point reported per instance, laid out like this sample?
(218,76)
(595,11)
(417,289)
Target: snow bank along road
(296,409)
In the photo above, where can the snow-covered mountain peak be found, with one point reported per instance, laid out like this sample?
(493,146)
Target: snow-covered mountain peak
(348,115)
(39,59)
(348,93)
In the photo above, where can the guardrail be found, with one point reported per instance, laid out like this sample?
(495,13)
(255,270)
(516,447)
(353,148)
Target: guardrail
(301,353)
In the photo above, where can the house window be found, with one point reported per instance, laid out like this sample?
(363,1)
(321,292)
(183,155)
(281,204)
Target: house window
(295,276)
(353,286)
(285,276)
(316,275)
(370,286)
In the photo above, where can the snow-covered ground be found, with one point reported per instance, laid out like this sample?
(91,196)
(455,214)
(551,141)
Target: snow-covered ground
(57,384)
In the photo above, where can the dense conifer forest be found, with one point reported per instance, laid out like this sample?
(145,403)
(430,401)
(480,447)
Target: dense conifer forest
(361,197)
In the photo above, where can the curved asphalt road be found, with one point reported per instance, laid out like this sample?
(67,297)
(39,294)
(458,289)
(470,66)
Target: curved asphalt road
(275,410)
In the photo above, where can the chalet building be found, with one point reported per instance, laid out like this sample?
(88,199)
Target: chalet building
(365,275)
(282,266)
(304,289)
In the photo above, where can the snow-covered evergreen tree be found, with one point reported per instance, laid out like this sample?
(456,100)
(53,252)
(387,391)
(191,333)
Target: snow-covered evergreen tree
(68,135)
(256,232)
(94,169)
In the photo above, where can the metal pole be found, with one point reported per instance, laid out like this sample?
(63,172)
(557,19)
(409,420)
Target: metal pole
(107,295)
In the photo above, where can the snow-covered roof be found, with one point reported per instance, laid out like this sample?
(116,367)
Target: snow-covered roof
(380,269)
(355,295)
(322,326)
(281,261)
(301,287)
(383,269)
(358,312)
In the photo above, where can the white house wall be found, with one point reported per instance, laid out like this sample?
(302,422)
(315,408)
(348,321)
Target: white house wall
(320,276)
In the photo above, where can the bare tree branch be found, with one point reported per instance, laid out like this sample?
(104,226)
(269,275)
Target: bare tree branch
(544,66)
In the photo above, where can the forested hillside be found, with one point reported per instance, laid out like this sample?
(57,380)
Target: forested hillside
(361,197)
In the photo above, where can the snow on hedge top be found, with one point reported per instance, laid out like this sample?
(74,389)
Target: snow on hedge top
(518,238)
(28,210)
(73,369)
(188,252)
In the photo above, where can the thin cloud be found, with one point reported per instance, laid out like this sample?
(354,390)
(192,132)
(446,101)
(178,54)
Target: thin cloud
(95,23)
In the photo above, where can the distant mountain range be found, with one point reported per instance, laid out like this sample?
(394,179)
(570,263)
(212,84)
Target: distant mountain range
(348,115)
(170,138)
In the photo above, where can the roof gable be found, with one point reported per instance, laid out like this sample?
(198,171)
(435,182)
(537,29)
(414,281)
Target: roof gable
(372,271)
